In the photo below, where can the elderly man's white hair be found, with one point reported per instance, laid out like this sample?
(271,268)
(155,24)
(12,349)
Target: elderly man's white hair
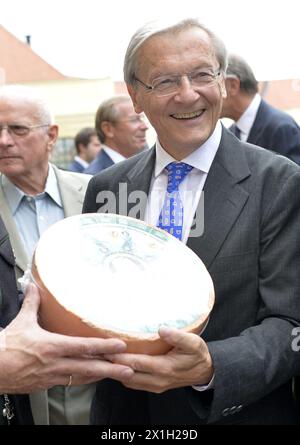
(167,27)
(27,95)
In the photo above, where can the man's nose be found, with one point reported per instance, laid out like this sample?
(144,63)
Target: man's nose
(185,90)
(5,136)
(144,125)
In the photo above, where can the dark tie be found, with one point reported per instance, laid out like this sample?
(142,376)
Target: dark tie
(171,215)
(235,130)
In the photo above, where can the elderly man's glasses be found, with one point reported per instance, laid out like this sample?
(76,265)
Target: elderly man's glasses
(20,130)
(165,85)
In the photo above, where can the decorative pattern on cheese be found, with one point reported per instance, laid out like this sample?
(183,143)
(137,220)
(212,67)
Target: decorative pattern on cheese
(121,275)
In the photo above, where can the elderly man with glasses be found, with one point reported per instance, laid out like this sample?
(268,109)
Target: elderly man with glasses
(240,369)
(33,195)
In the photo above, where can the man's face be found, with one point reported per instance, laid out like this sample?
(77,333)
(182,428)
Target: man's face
(92,148)
(185,119)
(24,155)
(129,131)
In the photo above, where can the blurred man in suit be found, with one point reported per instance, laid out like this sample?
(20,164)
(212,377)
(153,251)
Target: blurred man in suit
(33,195)
(240,369)
(87,147)
(256,121)
(121,131)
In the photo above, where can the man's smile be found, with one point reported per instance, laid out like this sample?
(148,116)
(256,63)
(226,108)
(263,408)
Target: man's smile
(190,115)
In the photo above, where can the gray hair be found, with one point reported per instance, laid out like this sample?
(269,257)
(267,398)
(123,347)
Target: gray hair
(26,95)
(238,67)
(158,28)
(108,112)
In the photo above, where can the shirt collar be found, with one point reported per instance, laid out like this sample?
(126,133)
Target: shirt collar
(14,195)
(113,154)
(52,187)
(81,161)
(247,119)
(201,158)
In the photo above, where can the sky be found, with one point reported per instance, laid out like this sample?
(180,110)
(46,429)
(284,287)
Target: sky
(88,38)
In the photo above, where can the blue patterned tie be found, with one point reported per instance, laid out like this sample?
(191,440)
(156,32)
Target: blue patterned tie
(171,215)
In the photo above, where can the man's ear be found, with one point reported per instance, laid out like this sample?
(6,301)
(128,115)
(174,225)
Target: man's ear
(107,129)
(233,85)
(135,100)
(81,148)
(52,136)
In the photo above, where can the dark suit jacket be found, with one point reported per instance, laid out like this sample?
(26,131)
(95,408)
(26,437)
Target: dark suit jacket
(75,166)
(9,307)
(101,162)
(251,247)
(275,130)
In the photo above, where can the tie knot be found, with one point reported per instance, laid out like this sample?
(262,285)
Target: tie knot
(177,171)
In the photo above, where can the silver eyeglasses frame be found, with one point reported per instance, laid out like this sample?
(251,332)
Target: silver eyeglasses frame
(24,129)
(208,79)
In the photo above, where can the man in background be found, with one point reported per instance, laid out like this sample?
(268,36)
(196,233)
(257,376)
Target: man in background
(87,147)
(33,195)
(256,121)
(121,130)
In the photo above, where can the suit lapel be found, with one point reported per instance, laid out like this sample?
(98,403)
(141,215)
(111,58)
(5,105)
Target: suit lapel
(224,198)
(258,124)
(72,193)
(5,247)
(105,160)
(137,188)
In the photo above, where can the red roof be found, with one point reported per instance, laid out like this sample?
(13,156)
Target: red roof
(19,63)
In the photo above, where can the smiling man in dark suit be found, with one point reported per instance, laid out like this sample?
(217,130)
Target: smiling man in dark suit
(256,121)
(240,369)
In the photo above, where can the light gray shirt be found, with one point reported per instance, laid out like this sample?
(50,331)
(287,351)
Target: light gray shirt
(34,214)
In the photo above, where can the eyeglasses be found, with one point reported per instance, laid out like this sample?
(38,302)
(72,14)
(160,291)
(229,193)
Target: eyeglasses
(20,130)
(165,85)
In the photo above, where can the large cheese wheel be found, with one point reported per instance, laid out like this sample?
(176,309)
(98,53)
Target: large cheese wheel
(104,275)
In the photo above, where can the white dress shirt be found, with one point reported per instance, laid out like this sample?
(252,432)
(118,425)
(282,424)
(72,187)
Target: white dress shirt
(247,119)
(113,154)
(190,188)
